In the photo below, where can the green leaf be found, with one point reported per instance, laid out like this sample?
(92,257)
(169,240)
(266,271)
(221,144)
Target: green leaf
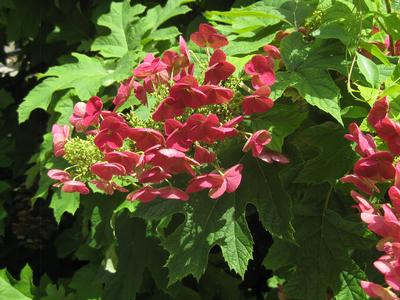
(164,34)
(85,77)
(350,288)
(375,51)
(25,283)
(322,255)
(62,202)
(338,22)
(369,69)
(354,111)
(296,12)
(11,288)
(87,282)
(208,223)
(64,106)
(280,121)
(307,65)
(392,22)
(119,21)
(54,293)
(135,252)
(222,222)
(7,291)
(334,155)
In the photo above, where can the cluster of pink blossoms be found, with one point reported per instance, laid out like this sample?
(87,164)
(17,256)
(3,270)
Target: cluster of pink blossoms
(152,156)
(388,46)
(374,167)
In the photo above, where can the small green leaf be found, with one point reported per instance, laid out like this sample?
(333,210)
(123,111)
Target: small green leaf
(7,291)
(62,202)
(369,69)
(119,21)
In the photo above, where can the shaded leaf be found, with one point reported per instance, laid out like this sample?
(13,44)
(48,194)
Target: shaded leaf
(62,202)
(334,154)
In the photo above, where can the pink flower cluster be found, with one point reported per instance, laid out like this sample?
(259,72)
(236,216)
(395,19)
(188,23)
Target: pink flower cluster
(185,144)
(374,167)
(388,46)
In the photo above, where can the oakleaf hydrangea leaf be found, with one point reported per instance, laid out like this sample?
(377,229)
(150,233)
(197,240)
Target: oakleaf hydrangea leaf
(332,154)
(135,252)
(307,66)
(85,77)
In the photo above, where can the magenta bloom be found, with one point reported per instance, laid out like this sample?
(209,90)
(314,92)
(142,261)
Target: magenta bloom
(389,131)
(257,142)
(272,51)
(171,125)
(59,175)
(86,115)
(203,129)
(207,36)
(150,66)
(174,61)
(172,161)
(379,111)
(377,167)
(218,68)
(187,93)
(386,226)
(146,138)
(394,191)
(364,184)
(262,70)
(217,184)
(144,194)
(203,156)
(106,170)
(363,204)
(377,291)
(169,108)
(154,175)
(123,93)
(216,94)
(365,142)
(258,102)
(108,186)
(127,159)
(391,270)
(270,157)
(148,193)
(74,186)
(60,137)
(170,192)
(111,135)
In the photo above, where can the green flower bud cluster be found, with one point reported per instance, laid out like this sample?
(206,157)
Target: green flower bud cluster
(315,21)
(81,155)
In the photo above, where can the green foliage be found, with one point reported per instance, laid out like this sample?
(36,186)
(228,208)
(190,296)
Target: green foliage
(70,76)
(202,248)
(321,258)
(64,202)
(331,153)
(13,289)
(307,66)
